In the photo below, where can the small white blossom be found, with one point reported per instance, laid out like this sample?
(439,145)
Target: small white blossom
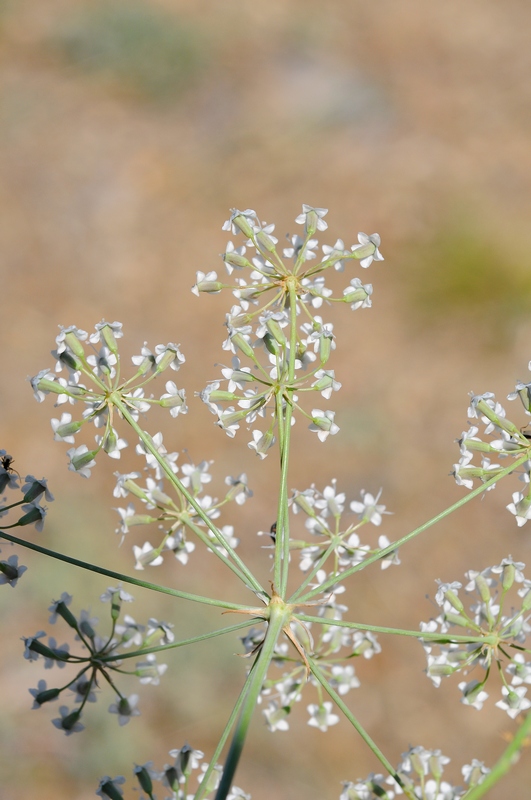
(321,716)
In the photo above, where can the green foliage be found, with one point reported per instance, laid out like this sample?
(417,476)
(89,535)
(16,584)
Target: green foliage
(135,46)
(464,270)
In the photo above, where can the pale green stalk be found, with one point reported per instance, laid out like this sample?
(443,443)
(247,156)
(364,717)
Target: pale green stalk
(283,545)
(443,637)
(504,763)
(123,578)
(172,645)
(224,736)
(362,732)
(279,616)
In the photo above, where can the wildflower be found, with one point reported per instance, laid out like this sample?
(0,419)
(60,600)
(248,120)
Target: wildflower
(126,708)
(321,716)
(368,245)
(68,722)
(110,788)
(368,509)
(10,571)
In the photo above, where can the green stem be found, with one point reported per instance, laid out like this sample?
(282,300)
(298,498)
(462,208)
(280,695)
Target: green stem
(159,648)
(279,615)
(389,549)
(282,551)
(504,763)
(148,444)
(120,577)
(224,736)
(362,732)
(445,638)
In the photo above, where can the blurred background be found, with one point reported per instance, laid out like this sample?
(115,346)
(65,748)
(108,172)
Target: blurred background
(128,129)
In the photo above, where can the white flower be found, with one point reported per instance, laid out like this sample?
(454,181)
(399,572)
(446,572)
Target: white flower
(321,716)
(126,708)
(515,701)
(146,555)
(473,695)
(11,571)
(174,399)
(68,722)
(323,423)
(276,717)
(365,240)
(520,507)
(110,782)
(368,509)
(312,218)
(343,678)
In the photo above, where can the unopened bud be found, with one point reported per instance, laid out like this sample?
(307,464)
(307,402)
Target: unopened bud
(242,344)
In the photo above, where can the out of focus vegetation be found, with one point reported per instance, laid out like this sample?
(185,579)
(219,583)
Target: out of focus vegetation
(134,45)
(466,275)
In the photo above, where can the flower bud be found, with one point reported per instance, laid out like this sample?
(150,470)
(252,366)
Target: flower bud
(68,429)
(86,629)
(144,779)
(457,619)
(325,346)
(235,259)
(110,442)
(508,574)
(220,394)
(241,222)
(69,360)
(10,570)
(483,588)
(83,459)
(242,344)
(454,600)
(35,514)
(472,690)
(107,787)
(276,331)
(356,294)
(271,344)
(265,241)
(47,695)
(47,385)
(75,345)
(303,504)
(363,250)
(170,354)
(209,287)
(442,670)
(526,602)
(62,609)
(262,442)
(107,334)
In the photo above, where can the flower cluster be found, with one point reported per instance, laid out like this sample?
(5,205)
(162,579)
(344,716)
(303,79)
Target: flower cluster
(497,636)
(331,649)
(283,357)
(105,394)
(187,764)
(175,515)
(100,657)
(324,511)
(421,774)
(506,440)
